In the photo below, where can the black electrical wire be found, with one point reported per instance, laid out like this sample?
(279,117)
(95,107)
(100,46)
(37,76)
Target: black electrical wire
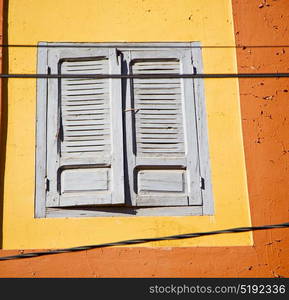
(137,45)
(146,240)
(147,76)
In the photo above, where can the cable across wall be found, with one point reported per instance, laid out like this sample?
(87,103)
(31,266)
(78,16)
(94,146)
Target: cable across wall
(147,240)
(146,76)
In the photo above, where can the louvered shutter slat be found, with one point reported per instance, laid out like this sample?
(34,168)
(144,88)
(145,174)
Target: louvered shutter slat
(159,104)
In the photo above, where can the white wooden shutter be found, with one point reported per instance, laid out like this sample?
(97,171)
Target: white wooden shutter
(166,165)
(85,135)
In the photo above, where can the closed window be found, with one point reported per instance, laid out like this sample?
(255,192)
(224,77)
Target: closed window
(131,145)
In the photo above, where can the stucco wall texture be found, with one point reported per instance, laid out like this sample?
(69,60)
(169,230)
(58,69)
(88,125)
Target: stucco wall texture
(206,21)
(265,117)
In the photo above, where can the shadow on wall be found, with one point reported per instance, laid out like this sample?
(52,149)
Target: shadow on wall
(4,113)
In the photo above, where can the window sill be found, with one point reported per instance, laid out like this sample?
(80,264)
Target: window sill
(72,212)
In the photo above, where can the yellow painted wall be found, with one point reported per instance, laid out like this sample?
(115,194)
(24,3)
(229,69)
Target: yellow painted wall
(207,21)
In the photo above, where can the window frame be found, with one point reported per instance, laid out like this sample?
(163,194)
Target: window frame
(206,208)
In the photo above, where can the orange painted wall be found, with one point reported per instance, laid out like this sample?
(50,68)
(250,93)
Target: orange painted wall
(265,118)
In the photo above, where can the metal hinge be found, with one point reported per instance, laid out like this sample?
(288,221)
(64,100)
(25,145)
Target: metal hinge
(117,54)
(195,71)
(47,184)
(202,183)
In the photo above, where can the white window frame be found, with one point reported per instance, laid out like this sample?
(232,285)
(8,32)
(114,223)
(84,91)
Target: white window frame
(204,207)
